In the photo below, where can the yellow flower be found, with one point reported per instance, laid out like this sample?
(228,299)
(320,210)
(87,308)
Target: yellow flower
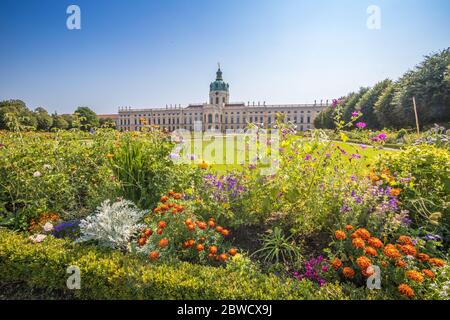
(203,165)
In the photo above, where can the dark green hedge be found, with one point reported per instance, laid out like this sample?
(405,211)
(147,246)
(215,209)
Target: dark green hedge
(114,275)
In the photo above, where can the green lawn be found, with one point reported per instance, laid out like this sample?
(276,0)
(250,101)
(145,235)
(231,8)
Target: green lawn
(231,152)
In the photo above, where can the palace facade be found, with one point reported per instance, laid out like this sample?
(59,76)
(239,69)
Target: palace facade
(218,114)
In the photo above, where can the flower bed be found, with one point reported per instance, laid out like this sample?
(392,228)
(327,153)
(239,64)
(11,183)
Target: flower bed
(114,275)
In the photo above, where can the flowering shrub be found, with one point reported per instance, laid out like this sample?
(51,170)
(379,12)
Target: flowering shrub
(112,225)
(175,232)
(424,185)
(316,270)
(407,265)
(64,172)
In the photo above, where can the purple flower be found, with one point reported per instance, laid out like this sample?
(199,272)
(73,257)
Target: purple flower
(335,103)
(174,156)
(361,125)
(382,136)
(355,156)
(308,157)
(251,166)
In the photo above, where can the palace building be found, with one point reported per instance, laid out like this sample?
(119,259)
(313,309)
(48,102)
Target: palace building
(218,113)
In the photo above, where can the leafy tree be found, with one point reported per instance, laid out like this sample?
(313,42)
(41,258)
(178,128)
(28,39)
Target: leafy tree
(107,123)
(15,113)
(59,122)
(324,119)
(351,102)
(69,119)
(43,119)
(367,102)
(428,85)
(384,110)
(88,118)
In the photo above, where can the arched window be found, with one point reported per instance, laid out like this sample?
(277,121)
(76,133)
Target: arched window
(217,100)
(210,118)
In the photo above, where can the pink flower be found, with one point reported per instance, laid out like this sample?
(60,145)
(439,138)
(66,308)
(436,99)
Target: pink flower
(361,125)
(355,114)
(382,136)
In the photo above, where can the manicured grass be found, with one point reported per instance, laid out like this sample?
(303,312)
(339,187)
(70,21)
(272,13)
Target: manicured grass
(231,153)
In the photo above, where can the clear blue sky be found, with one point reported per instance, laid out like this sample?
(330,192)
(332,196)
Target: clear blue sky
(152,53)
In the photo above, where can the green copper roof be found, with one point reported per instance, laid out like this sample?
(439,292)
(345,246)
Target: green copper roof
(219,84)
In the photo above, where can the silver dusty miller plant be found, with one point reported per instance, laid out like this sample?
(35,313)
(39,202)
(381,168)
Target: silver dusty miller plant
(112,225)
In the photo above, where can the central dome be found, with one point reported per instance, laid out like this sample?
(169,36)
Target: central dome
(219,84)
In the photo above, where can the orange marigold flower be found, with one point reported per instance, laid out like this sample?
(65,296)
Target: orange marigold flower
(368,272)
(405,240)
(423,257)
(395,192)
(348,272)
(340,235)
(428,273)
(363,233)
(374,177)
(408,250)
(162,224)
(384,264)
(232,252)
(154,255)
(348,227)
(391,252)
(406,290)
(414,276)
(164,199)
(225,232)
(354,235)
(213,249)
(200,247)
(223,257)
(436,262)
(163,242)
(219,229)
(375,242)
(202,225)
(358,243)
(371,251)
(363,262)
(336,263)
(211,223)
(400,263)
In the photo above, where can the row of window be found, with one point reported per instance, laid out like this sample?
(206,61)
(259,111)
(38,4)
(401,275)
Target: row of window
(296,120)
(226,113)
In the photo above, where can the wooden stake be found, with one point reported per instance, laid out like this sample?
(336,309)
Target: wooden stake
(417,118)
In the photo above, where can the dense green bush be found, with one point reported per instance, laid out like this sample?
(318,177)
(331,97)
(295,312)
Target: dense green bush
(113,275)
(63,172)
(426,184)
(142,165)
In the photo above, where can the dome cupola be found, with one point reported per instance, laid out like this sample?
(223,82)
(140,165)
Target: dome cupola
(219,84)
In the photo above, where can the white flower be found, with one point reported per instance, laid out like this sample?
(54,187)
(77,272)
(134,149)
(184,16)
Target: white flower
(48,227)
(37,174)
(37,238)
(47,166)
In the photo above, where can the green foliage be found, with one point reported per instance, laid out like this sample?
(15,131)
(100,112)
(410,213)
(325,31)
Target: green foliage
(113,275)
(141,163)
(59,122)
(351,102)
(43,119)
(427,84)
(427,195)
(383,108)
(279,249)
(65,172)
(88,118)
(367,102)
